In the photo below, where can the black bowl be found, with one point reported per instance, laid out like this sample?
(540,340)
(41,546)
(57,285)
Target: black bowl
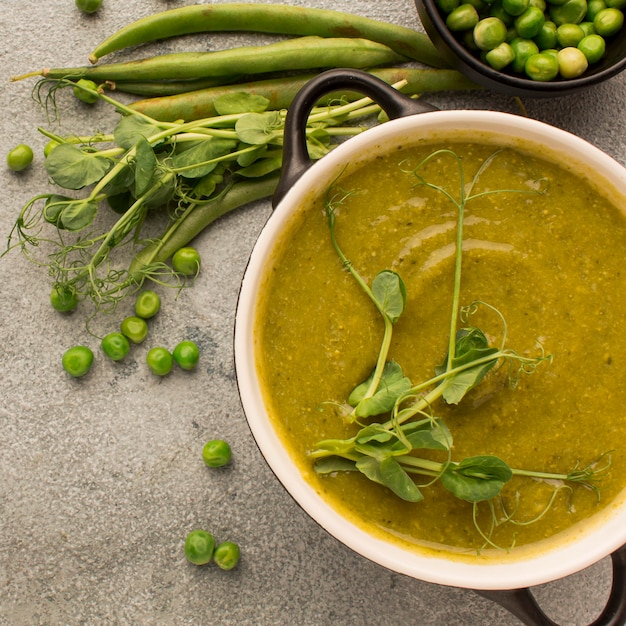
(464,60)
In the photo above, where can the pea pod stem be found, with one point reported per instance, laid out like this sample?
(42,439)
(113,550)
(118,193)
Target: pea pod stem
(302,53)
(281,91)
(269,18)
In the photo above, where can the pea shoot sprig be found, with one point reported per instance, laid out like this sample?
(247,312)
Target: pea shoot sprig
(396,417)
(149,172)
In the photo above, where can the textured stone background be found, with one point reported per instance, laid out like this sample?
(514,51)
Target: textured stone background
(101,478)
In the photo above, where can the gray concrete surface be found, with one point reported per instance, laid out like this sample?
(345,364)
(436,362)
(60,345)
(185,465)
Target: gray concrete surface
(101,478)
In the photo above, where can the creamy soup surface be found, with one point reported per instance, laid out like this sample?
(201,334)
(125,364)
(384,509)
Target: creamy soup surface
(551,263)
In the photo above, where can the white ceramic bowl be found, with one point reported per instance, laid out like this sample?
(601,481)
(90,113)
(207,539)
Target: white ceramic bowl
(600,537)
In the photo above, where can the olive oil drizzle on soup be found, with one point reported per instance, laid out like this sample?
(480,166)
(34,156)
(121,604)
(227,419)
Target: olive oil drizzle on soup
(551,263)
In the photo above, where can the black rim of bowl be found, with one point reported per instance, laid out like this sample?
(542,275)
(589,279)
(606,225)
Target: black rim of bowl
(475,69)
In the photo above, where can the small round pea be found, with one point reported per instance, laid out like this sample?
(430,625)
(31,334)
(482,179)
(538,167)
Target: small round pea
(571,12)
(515,7)
(572,62)
(496,10)
(63,299)
(115,346)
(542,67)
(216,453)
(447,6)
(608,22)
(593,7)
(88,6)
(147,304)
(134,328)
(226,555)
(529,23)
(77,361)
(546,37)
(20,157)
(593,47)
(50,146)
(569,35)
(199,547)
(85,96)
(160,361)
(186,261)
(522,48)
(587,28)
(500,56)
(186,354)
(489,33)
(464,17)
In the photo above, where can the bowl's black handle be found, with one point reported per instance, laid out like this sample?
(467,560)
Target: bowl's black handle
(296,158)
(523,605)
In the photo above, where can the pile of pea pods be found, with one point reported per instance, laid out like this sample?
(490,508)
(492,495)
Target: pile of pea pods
(541,39)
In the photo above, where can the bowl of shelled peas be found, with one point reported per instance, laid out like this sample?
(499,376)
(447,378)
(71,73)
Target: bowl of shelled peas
(536,48)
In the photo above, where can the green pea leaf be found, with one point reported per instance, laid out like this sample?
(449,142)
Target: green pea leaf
(249,157)
(426,437)
(390,474)
(131,128)
(390,294)
(202,157)
(53,208)
(393,384)
(477,478)
(78,214)
(144,166)
(332,464)
(471,345)
(240,102)
(73,168)
(260,128)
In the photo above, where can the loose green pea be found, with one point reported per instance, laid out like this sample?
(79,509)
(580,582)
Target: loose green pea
(515,7)
(539,4)
(77,361)
(160,361)
(464,17)
(587,28)
(186,261)
(572,62)
(608,22)
(572,12)
(134,328)
(115,346)
(489,33)
(199,547)
(593,8)
(88,6)
(147,304)
(216,453)
(186,354)
(63,299)
(542,67)
(50,146)
(569,35)
(593,47)
(85,96)
(546,37)
(226,555)
(529,23)
(497,10)
(20,157)
(447,6)
(522,48)
(500,56)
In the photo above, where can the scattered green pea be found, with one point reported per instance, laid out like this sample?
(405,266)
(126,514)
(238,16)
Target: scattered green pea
(20,157)
(77,361)
(50,146)
(88,6)
(542,66)
(523,49)
(115,346)
(226,555)
(186,261)
(546,37)
(199,547)
(500,57)
(515,7)
(569,35)
(134,328)
(63,299)
(160,361)
(186,354)
(593,8)
(464,17)
(85,96)
(571,12)
(529,23)
(489,33)
(216,453)
(147,304)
